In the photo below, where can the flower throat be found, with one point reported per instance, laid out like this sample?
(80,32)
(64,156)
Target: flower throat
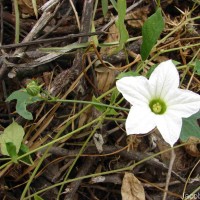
(158,106)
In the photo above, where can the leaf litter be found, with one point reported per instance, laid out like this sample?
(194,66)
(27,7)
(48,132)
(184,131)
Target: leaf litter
(87,72)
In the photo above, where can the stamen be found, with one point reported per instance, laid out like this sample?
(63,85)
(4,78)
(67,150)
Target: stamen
(157,106)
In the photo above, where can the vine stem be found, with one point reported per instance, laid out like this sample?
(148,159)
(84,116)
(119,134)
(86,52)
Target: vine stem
(49,145)
(64,127)
(87,102)
(131,167)
(101,118)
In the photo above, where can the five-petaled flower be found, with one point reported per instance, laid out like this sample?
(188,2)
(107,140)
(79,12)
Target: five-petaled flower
(158,102)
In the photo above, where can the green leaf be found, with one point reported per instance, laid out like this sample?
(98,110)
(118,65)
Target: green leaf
(104,4)
(36,197)
(124,36)
(21,110)
(151,31)
(11,149)
(23,99)
(151,70)
(176,62)
(190,127)
(197,66)
(125,74)
(109,111)
(99,108)
(14,133)
(154,66)
(114,96)
(27,159)
(114,3)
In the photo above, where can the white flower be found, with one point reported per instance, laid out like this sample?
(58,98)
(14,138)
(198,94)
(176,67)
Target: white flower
(158,102)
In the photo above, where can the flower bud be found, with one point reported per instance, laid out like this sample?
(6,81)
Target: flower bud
(33,88)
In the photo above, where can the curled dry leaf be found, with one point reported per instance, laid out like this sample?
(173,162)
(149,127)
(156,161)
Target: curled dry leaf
(105,75)
(133,142)
(192,148)
(132,188)
(105,78)
(85,117)
(98,140)
(113,36)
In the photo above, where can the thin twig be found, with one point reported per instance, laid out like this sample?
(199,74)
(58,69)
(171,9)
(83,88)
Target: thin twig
(1,23)
(17,21)
(56,39)
(172,158)
(76,14)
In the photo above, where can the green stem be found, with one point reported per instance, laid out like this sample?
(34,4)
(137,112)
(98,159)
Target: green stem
(191,196)
(178,48)
(158,4)
(174,30)
(80,152)
(64,137)
(48,147)
(52,142)
(80,178)
(87,102)
(105,173)
(114,119)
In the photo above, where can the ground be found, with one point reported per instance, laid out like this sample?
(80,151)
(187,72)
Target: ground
(76,149)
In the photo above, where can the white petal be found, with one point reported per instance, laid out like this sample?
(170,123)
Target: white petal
(140,120)
(134,89)
(169,127)
(164,78)
(183,103)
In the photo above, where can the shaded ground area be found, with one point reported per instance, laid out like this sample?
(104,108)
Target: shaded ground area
(80,151)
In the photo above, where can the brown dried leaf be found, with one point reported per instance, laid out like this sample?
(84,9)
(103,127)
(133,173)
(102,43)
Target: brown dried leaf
(133,142)
(26,7)
(105,78)
(192,149)
(137,18)
(85,117)
(113,36)
(132,188)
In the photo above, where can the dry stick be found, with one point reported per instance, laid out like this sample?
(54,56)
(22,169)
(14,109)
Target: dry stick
(1,23)
(41,23)
(76,14)
(51,40)
(172,158)
(41,58)
(78,66)
(68,12)
(110,150)
(5,96)
(3,68)
(65,78)
(73,187)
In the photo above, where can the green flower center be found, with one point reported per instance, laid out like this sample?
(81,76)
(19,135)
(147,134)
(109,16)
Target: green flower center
(158,106)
